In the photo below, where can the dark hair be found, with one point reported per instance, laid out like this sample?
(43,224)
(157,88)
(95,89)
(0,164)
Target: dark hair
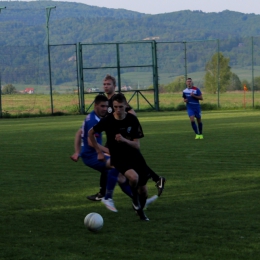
(120,98)
(189,79)
(100,98)
(109,77)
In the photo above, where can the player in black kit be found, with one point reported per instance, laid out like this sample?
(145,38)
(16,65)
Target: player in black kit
(123,132)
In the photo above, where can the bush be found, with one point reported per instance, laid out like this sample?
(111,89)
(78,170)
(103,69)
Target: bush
(209,106)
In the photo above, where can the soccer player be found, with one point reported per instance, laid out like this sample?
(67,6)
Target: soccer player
(123,132)
(109,176)
(89,155)
(191,96)
(109,86)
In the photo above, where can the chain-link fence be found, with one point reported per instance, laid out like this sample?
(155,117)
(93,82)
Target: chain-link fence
(131,63)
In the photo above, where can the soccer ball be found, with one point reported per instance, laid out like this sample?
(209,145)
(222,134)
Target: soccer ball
(94,222)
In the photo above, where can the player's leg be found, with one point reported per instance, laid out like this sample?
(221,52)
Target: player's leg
(113,177)
(159,180)
(143,194)
(92,162)
(111,183)
(199,122)
(191,115)
(124,185)
(133,179)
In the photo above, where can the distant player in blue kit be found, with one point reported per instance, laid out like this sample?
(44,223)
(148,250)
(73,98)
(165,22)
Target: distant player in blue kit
(191,96)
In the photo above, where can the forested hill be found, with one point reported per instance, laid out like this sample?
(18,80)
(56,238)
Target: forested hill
(24,23)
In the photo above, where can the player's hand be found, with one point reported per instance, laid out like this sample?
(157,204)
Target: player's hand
(74,157)
(119,138)
(185,100)
(101,156)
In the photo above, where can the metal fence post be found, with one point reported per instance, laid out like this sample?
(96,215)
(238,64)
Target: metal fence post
(185,60)
(218,74)
(118,67)
(80,78)
(48,13)
(253,80)
(1,115)
(155,76)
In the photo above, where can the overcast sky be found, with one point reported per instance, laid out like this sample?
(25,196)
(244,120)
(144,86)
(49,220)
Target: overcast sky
(167,6)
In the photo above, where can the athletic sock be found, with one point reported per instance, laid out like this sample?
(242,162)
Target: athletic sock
(200,128)
(112,175)
(142,199)
(135,197)
(103,182)
(153,175)
(125,187)
(194,127)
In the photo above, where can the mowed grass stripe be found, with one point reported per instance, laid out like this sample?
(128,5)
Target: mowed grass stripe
(209,209)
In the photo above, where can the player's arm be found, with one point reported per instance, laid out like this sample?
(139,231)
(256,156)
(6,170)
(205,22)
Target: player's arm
(199,97)
(92,138)
(77,146)
(135,143)
(184,98)
(131,111)
(101,147)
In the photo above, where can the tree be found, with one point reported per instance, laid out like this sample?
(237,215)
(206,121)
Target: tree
(9,89)
(211,76)
(246,83)
(235,83)
(177,85)
(257,83)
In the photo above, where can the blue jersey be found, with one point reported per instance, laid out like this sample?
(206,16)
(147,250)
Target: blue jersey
(91,120)
(191,101)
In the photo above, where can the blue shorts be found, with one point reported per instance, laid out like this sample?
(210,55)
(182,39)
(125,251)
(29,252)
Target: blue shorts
(91,161)
(194,111)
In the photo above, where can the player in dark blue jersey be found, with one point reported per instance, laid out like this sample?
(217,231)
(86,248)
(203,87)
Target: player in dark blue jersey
(86,151)
(191,96)
(123,132)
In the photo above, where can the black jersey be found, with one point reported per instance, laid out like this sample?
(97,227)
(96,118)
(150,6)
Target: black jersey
(129,128)
(110,108)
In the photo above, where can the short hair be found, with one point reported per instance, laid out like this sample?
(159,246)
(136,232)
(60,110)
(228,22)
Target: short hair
(109,77)
(189,79)
(120,98)
(100,98)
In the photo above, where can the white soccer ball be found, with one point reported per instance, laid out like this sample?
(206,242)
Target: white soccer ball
(94,222)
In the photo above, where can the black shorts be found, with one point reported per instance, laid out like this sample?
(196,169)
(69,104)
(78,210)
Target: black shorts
(137,164)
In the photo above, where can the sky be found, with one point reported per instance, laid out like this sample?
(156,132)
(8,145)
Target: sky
(167,6)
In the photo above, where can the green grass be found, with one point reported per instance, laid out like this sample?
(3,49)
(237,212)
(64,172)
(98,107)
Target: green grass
(209,209)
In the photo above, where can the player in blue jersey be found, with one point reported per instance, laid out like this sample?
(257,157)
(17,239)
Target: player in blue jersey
(123,132)
(191,96)
(85,151)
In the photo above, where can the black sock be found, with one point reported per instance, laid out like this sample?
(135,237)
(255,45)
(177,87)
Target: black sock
(103,182)
(142,199)
(135,196)
(155,177)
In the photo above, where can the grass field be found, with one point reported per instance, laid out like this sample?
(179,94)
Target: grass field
(17,105)
(209,209)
